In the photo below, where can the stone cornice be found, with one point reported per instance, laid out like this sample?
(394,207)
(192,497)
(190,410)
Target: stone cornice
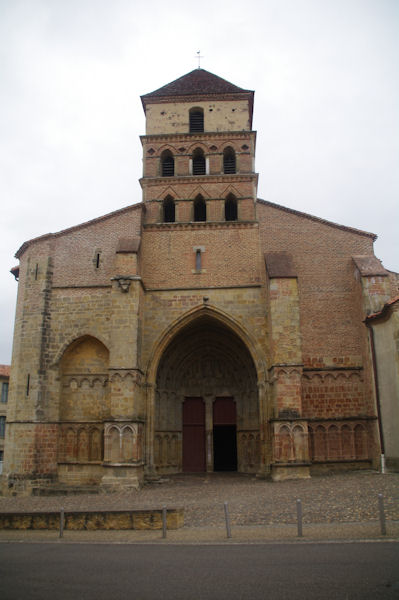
(200,179)
(191,137)
(195,97)
(205,288)
(179,200)
(202,225)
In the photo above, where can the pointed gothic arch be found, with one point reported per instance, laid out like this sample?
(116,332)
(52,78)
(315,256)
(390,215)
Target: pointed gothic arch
(168,210)
(230,208)
(199,208)
(205,353)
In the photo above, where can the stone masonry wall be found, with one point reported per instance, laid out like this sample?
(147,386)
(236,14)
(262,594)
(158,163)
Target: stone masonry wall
(330,302)
(229,256)
(173,117)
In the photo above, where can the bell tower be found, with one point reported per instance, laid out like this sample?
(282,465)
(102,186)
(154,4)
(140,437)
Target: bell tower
(198,152)
(200,259)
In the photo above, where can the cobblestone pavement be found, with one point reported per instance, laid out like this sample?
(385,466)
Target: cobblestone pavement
(339,498)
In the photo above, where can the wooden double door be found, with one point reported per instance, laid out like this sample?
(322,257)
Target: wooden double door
(224,430)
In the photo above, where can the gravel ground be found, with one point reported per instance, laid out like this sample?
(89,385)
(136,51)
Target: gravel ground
(339,498)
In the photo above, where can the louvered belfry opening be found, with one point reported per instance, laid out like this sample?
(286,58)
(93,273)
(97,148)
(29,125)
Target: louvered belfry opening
(169,212)
(168,164)
(199,209)
(229,161)
(196,120)
(199,166)
(230,208)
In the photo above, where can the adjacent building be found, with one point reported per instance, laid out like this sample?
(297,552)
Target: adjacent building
(4,381)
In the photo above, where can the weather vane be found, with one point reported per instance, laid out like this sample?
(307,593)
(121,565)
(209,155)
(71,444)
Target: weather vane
(199,58)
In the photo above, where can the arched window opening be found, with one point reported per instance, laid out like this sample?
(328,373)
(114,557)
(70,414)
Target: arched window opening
(167,164)
(230,208)
(169,213)
(229,161)
(199,166)
(196,116)
(199,209)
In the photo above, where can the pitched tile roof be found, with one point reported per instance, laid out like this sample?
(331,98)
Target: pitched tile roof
(196,82)
(384,311)
(369,266)
(5,370)
(317,219)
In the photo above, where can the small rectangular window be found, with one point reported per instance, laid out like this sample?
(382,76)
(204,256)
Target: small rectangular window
(4,392)
(198,260)
(2,426)
(27,384)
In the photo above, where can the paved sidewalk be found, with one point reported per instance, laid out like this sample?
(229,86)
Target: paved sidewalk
(343,506)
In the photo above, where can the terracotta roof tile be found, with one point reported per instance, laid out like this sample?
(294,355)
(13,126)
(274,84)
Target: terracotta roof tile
(48,236)
(316,219)
(383,311)
(5,370)
(369,266)
(198,81)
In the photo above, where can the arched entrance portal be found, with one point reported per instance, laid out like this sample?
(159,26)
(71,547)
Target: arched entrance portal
(206,404)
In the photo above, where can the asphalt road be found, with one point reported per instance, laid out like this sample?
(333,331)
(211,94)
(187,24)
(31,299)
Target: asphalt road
(63,571)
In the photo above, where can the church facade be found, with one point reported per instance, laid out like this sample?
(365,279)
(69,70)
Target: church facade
(201,329)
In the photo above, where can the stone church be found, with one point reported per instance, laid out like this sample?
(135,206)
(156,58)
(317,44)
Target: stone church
(201,329)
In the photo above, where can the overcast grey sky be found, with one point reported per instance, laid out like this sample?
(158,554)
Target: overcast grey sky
(325,75)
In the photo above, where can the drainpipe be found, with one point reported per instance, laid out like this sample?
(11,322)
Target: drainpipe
(377,394)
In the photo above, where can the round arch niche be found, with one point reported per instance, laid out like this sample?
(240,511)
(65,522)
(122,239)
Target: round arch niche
(206,402)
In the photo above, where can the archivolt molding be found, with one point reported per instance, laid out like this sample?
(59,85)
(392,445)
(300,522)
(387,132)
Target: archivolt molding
(189,317)
(77,338)
(203,145)
(164,147)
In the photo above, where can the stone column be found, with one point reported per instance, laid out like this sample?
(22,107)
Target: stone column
(209,432)
(264,429)
(150,430)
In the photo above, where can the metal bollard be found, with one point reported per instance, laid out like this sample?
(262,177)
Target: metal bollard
(382,514)
(299,517)
(164,522)
(62,519)
(226,516)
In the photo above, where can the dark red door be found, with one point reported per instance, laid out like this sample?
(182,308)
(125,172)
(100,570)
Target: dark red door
(193,435)
(224,435)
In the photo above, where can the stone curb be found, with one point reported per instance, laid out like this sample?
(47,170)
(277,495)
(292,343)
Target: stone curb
(320,532)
